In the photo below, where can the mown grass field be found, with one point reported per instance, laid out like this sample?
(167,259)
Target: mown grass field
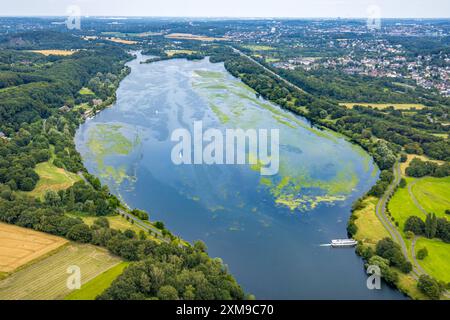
(98,285)
(52,178)
(19,246)
(437,264)
(433,194)
(381,106)
(402,206)
(47,278)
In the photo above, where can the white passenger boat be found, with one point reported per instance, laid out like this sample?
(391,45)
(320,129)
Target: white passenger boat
(343,243)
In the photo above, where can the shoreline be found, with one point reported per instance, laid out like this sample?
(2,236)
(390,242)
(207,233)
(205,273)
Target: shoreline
(307,121)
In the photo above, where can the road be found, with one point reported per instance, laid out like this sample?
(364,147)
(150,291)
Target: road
(141,224)
(269,71)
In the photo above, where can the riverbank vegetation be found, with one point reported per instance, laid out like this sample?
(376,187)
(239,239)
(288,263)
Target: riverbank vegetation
(38,122)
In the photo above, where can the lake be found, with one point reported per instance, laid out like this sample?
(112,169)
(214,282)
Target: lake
(269,230)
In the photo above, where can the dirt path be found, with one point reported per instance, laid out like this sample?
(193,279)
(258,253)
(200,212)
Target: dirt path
(411,195)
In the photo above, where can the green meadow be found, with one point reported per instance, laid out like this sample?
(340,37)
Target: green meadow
(437,262)
(96,286)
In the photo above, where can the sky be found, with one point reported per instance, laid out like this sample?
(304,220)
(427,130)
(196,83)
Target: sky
(231,8)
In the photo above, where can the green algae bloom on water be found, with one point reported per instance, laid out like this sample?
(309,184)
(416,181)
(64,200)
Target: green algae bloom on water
(267,229)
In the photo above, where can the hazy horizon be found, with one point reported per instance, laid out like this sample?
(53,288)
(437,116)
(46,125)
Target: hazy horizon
(231,9)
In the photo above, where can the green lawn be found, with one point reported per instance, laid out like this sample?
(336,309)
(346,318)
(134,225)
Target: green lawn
(433,194)
(437,263)
(402,206)
(96,286)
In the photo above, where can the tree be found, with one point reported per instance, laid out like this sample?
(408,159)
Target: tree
(415,225)
(27,184)
(142,235)
(130,234)
(430,226)
(167,293)
(70,203)
(409,235)
(429,287)
(403,157)
(422,253)
(189,293)
(388,249)
(52,198)
(390,276)
(80,233)
(159,225)
(200,246)
(402,183)
(140,214)
(352,228)
(101,222)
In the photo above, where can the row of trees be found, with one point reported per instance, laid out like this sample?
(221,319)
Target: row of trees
(418,168)
(432,227)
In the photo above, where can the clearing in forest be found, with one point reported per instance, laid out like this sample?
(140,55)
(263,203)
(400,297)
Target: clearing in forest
(55,52)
